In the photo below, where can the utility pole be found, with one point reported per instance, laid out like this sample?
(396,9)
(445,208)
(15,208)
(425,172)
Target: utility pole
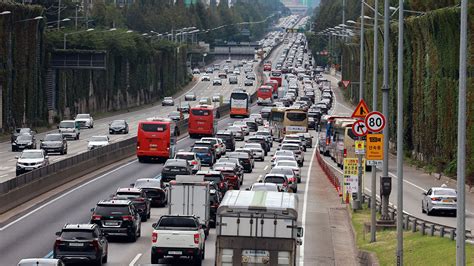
(385,179)
(400,135)
(361,61)
(344,30)
(373,201)
(461,162)
(75,18)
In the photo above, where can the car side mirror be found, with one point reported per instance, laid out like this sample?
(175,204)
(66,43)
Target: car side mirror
(132,184)
(46,157)
(299,232)
(58,233)
(248,189)
(92,210)
(154,225)
(16,157)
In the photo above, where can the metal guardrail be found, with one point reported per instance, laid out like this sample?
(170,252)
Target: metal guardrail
(39,173)
(410,222)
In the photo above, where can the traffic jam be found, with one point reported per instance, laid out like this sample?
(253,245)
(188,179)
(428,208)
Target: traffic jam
(237,182)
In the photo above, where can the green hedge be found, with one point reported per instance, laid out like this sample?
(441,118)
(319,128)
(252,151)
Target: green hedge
(431,70)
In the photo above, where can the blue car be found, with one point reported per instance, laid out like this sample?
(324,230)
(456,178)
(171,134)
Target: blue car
(205,155)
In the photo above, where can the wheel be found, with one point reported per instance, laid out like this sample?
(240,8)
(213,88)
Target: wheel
(104,259)
(428,212)
(99,262)
(145,218)
(197,260)
(148,215)
(299,180)
(155,259)
(295,190)
(133,237)
(139,234)
(141,159)
(65,151)
(61,152)
(203,252)
(422,208)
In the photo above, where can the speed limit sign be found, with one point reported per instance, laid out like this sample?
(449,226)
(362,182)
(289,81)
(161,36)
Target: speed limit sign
(375,121)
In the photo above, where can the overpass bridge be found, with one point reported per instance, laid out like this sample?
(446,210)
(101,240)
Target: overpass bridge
(234,48)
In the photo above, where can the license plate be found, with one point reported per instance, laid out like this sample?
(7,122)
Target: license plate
(112,223)
(175,252)
(200,123)
(28,168)
(152,149)
(76,244)
(174,170)
(447,200)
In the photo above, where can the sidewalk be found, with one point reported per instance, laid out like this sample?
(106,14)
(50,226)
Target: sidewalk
(329,238)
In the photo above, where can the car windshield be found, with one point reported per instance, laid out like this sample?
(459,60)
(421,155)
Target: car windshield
(274,179)
(184,156)
(77,234)
(67,124)
(118,123)
(286,163)
(25,137)
(53,137)
(32,155)
(146,183)
(444,192)
(81,116)
(168,99)
(23,130)
(109,210)
(99,138)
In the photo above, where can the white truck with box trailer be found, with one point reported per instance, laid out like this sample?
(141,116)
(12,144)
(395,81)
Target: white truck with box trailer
(189,196)
(257,228)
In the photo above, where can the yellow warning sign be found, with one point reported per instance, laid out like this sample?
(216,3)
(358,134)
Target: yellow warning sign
(359,147)
(374,147)
(351,166)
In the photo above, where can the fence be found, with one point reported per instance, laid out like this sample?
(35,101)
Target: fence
(410,222)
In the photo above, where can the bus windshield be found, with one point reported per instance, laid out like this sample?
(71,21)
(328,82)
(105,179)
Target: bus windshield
(239,96)
(277,116)
(200,112)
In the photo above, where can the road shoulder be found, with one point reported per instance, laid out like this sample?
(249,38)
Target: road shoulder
(330,240)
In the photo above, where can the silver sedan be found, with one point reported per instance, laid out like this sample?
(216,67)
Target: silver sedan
(441,199)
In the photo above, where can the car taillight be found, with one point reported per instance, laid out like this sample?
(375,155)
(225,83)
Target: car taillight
(141,200)
(138,145)
(95,243)
(96,217)
(57,242)
(194,162)
(435,199)
(154,237)
(345,153)
(196,238)
(127,217)
(291,179)
(327,141)
(209,154)
(221,185)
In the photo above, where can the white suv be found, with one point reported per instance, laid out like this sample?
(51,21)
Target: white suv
(69,128)
(85,120)
(31,160)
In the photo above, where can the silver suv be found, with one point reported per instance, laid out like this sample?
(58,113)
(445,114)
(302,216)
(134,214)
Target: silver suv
(31,160)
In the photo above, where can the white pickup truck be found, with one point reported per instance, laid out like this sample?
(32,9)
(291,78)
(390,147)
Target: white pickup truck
(178,236)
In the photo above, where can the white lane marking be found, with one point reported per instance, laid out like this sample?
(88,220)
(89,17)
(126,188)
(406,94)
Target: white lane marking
(266,167)
(305,205)
(135,259)
(64,195)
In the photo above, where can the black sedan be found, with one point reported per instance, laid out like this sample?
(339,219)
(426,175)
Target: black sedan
(155,190)
(118,127)
(23,142)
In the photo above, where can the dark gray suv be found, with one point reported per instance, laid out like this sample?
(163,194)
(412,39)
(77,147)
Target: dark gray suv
(79,243)
(54,142)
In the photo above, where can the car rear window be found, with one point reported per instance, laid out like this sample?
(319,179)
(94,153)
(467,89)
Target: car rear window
(275,179)
(77,234)
(212,178)
(200,150)
(187,157)
(200,112)
(447,192)
(177,222)
(108,210)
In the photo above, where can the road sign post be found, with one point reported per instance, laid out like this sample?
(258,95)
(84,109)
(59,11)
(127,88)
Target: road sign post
(360,129)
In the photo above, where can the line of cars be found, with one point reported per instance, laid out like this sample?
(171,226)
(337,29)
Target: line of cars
(35,156)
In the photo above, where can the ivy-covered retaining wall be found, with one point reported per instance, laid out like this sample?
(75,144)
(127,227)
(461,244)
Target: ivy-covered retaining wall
(431,73)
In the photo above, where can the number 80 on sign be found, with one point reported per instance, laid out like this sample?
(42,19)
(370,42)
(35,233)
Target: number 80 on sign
(375,121)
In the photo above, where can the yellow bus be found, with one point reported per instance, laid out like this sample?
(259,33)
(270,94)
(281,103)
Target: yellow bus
(295,121)
(276,118)
(336,145)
